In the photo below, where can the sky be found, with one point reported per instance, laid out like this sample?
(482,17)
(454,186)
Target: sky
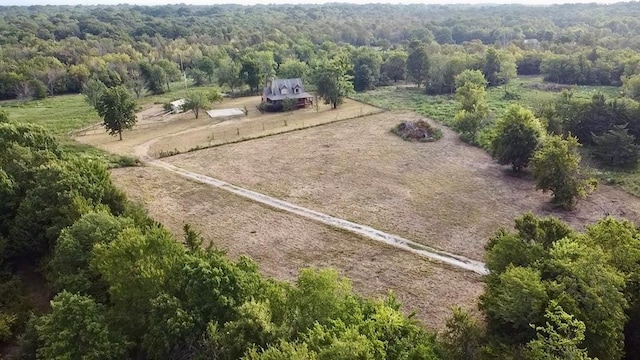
(252,2)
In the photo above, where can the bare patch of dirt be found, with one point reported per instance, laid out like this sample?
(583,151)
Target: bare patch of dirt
(282,244)
(445,194)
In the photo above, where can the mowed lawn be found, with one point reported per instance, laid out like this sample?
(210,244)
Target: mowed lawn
(282,244)
(445,194)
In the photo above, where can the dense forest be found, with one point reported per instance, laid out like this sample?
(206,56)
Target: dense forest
(123,286)
(54,50)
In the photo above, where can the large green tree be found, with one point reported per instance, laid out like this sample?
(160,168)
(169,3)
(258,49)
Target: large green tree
(395,66)
(556,168)
(418,65)
(332,81)
(77,328)
(293,68)
(198,100)
(471,94)
(92,90)
(154,77)
(617,147)
(117,109)
(517,136)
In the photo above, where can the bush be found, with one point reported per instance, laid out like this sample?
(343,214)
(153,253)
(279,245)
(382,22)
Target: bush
(39,89)
(417,131)
(266,107)
(126,161)
(289,105)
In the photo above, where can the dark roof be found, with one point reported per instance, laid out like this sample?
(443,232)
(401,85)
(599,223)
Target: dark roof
(302,95)
(274,90)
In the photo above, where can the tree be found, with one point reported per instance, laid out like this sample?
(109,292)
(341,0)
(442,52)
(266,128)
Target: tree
(171,71)
(517,136)
(54,80)
(199,100)
(23,90)
(207,66)
(560,338)
(366,68)
(117,109)
(92,90)
(473,77)
(491,67)
(631,87)
(228,73)
(463,336)
(199,77)
(395,67)
(333,83)
(69,265)
(257,68)
(135,81)
(76,328)
(471,95)
(556,168)
(616,147)
(418,65)
(293,68)
(154,77)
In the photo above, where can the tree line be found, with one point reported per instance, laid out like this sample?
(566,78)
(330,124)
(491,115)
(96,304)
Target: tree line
(56,50)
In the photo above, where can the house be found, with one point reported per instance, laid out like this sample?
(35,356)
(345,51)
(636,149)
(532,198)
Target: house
(280,89)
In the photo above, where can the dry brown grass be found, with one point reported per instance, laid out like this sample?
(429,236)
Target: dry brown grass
(445,194)
(183,132)
(282,244)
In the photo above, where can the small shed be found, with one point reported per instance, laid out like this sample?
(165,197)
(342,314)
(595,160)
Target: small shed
(177,106)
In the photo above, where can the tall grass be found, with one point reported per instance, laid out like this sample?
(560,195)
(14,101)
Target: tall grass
(444,107)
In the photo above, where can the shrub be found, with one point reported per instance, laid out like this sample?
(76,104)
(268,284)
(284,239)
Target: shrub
(127,161)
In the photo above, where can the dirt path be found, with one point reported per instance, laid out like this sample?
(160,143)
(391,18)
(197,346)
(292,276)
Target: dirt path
(452,259)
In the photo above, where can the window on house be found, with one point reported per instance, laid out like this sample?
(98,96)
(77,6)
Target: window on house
(283,91)
(297,90)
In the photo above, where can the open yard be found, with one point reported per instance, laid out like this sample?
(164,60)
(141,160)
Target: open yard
(187,132)
(282,244)
(445,194)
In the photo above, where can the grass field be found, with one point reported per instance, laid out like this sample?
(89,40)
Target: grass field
(444,107)
(282,244)
(445,194)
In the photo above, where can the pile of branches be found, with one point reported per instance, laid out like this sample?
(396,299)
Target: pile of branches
(417,131)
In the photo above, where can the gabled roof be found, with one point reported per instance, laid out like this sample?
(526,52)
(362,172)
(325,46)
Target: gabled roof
(288,83)
(274,91)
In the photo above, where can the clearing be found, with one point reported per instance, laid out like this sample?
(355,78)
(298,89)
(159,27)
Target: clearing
(445,194)
(282,243)
(189,133)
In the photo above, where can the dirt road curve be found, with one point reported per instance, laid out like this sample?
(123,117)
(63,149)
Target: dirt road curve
(390,239)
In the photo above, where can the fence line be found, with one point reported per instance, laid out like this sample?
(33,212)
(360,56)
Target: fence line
(258,130)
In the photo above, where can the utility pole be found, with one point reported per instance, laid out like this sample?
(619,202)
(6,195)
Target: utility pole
(184,75)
